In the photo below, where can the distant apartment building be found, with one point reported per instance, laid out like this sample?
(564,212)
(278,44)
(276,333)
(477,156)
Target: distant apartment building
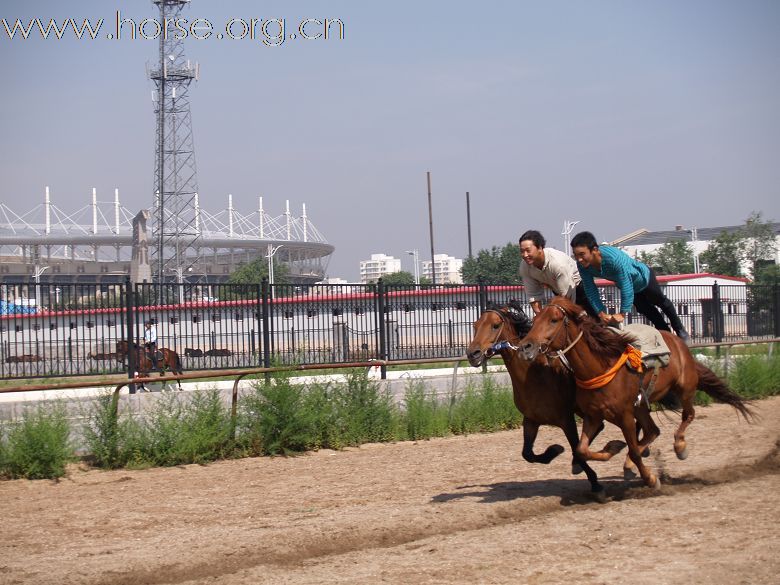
(378,266)
(447,269)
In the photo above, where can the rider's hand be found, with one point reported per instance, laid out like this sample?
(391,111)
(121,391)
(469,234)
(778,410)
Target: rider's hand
(617,318)
(605,318)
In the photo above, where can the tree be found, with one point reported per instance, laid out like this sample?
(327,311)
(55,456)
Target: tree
(722,256)
(256,270)
(758,244)
(401,277)
(494,266)
(674,257)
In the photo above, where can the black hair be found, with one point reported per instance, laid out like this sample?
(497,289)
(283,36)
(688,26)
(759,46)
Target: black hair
(586,239)
(535,237)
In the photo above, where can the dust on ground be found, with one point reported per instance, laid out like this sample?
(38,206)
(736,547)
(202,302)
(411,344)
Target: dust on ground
(458,510)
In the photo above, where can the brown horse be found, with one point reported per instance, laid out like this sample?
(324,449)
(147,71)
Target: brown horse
(544,394)
(594,350)
(167,359)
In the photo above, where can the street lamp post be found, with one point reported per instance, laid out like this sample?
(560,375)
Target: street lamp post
(694,239)
(37,277)
(416,255)
(568,228)
(272,250)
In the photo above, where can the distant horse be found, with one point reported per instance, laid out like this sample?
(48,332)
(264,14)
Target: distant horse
(167,359)
(608,391)
(543,393)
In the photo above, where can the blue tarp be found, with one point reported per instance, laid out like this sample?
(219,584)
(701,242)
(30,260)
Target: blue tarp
(7,308)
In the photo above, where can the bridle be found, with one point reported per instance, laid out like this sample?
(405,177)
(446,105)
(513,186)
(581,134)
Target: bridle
(496,346)
(544,347)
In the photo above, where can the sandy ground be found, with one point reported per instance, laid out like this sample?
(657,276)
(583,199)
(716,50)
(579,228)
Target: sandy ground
(456,510)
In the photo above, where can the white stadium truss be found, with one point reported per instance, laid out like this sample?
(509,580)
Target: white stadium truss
(101,232)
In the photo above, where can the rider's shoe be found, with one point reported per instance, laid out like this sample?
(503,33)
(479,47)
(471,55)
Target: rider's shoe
(683,334)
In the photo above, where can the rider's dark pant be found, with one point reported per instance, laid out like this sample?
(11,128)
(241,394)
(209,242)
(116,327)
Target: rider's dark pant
(649,299)
(151,349)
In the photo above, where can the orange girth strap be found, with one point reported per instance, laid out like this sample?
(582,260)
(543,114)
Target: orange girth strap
(634,357)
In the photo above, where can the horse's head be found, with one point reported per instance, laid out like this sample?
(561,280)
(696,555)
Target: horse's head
(496,324)
(121,347)
(551,328)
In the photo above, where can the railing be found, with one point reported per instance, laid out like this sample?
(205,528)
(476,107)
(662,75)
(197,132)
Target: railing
(70,329)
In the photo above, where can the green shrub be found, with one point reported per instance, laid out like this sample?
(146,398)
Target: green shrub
(38,446)
(274,420)
(364,413)
(487,408)
(756,376)
(111,442)
(424,415)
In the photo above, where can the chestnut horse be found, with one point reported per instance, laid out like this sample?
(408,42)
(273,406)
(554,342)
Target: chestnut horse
(167,359)
(544,394)
(594,349)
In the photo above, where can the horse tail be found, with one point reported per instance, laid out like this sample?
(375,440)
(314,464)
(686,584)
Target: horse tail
(716,388)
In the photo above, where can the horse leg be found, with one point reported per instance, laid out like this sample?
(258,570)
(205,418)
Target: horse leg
(627,424)
(530,430)
(590,427)
(650,432)
(688,414)
(579,464)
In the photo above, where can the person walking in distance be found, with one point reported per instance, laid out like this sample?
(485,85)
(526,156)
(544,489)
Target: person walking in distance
(636,281)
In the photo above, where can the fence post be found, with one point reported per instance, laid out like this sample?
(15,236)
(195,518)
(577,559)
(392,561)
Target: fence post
(776,307)
(481,295)
(266,324)
(380,291)
(717,317)
(129,290)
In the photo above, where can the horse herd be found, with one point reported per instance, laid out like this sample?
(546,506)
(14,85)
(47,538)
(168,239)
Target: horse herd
(564,363)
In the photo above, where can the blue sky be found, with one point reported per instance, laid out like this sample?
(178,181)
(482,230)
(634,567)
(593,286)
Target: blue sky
(620,115)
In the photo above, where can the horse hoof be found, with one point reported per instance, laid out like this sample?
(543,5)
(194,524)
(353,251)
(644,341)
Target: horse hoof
(657,484)
(646,452)
(576,469)
(629,473)
(614,447)
(682,453)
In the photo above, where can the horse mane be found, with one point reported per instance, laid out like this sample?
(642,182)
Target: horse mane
(515,314)
(603,342)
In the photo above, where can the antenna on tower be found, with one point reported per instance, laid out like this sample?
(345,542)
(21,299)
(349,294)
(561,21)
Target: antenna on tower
(175,217)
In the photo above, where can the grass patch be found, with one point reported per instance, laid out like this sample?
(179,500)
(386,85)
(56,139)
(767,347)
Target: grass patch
(38,445)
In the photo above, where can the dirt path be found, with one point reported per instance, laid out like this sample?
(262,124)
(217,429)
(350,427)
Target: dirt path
(456,510)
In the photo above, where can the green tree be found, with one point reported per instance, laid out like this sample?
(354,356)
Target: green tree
(723,254)
(494,266)
(674,257)
(759,243)
(256,270)
(401,277)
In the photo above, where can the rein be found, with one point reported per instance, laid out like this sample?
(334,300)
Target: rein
(497,346)
(631,354)
(561,353)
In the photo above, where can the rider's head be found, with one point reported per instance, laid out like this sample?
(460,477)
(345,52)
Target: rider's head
(532,247)
(586,249)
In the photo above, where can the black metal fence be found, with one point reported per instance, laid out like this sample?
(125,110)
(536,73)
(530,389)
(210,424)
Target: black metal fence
(73,329)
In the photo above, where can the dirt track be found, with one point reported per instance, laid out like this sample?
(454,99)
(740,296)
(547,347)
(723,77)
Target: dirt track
(457,510)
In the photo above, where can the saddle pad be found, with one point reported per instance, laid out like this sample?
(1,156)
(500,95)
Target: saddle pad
(649,341)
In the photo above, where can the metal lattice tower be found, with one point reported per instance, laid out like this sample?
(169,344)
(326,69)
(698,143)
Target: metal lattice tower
(175,216)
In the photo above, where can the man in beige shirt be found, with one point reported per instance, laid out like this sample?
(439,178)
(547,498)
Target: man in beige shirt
(549,268)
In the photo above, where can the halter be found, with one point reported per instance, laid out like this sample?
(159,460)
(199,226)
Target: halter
(544,348)
(496,345)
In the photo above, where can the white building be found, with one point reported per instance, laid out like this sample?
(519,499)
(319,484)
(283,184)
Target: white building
(378,266)
(447,269)
(698,239)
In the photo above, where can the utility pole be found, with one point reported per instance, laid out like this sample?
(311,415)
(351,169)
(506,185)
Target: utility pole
(430,222)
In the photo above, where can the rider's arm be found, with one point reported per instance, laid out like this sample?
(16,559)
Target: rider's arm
(591,290)
(533,288)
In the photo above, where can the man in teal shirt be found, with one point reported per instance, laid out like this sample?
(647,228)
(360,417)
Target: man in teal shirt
(636,281)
